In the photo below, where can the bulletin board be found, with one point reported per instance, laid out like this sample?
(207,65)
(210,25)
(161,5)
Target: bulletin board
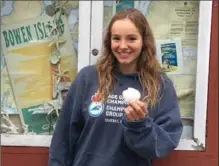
(39,48)
(182,34)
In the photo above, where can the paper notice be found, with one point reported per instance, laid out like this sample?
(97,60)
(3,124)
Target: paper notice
(169,53)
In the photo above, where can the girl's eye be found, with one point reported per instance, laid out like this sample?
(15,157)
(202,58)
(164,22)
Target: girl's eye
(115,38)
(132,39)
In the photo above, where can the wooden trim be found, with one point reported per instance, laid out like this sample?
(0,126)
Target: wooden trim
(24,150)
(212,125)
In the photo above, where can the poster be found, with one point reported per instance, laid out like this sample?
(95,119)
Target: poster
(36,72)
(123,4)
(169,54)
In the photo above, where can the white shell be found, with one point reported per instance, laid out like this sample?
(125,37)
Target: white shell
(54,59)
(131,94)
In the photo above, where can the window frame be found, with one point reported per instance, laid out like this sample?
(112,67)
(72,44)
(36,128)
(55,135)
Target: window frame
(198,141)
(91,28)
(83,60)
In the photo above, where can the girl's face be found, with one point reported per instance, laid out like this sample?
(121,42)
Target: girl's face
(126,42)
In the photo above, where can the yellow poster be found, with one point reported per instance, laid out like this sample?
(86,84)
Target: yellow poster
(41,62)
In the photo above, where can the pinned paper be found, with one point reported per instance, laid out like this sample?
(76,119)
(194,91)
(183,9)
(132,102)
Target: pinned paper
(169,54)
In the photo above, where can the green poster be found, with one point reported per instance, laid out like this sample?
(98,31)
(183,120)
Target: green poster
(124,4)
(38,120)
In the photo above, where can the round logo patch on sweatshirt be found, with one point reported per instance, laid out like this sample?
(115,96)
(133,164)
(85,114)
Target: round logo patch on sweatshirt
(96,107)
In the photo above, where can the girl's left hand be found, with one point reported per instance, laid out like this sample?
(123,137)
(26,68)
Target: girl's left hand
(136,110)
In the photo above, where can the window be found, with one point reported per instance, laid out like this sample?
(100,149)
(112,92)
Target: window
(34,76)
(184,26)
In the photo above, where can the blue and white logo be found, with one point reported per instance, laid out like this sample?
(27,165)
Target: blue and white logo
(96,109)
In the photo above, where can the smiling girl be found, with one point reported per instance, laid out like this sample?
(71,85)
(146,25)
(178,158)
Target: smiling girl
(90,133)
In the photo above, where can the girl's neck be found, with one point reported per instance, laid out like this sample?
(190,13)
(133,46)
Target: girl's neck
(127,68)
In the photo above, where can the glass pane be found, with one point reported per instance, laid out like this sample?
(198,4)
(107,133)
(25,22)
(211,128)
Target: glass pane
(38,63)
(175,21)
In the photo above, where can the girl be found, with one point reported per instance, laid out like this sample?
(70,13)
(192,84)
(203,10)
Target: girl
(97,127)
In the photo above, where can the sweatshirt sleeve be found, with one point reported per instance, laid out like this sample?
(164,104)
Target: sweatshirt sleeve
(156,137)
(68,127)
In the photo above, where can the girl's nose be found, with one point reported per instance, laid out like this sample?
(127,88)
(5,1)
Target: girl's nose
(123,45)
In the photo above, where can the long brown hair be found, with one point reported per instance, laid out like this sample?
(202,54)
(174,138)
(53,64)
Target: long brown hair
(147,66)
